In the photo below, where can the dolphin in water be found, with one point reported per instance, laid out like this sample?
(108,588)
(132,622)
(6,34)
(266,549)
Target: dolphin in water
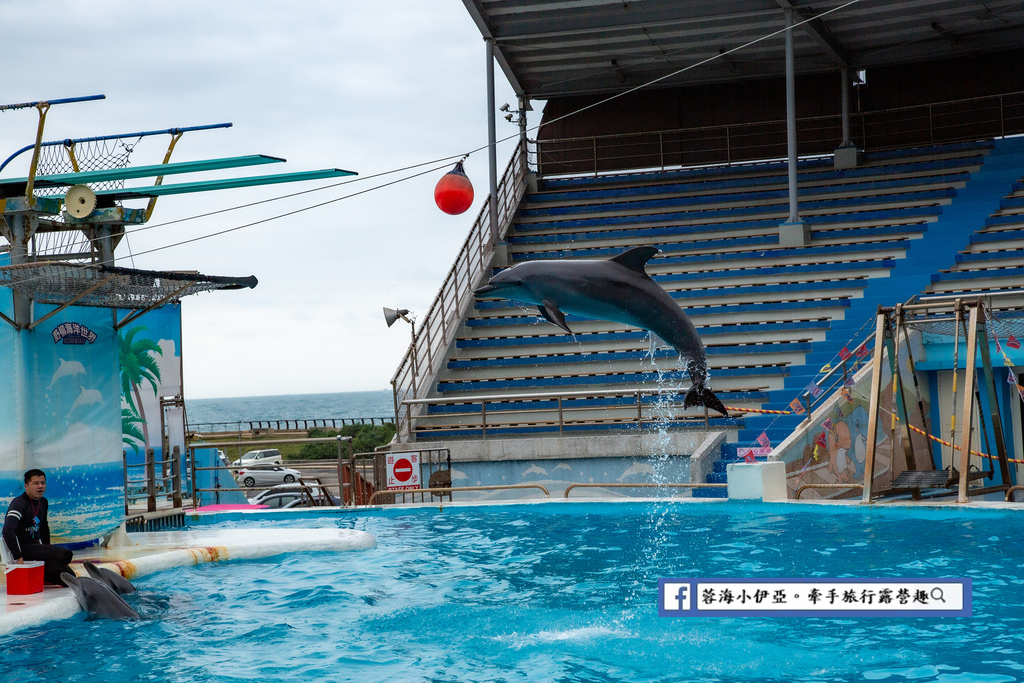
(112,579)
(617,289)
(67,368)
(96,598)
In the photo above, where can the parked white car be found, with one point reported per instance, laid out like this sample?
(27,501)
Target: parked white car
(266,475)
(263,456)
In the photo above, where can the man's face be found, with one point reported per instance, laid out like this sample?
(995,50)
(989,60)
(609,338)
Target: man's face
(36,487)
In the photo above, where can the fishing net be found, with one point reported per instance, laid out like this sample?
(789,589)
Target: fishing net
(89,155)
(60,283)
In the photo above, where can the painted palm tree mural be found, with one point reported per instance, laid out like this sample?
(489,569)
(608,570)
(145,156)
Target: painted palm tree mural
(138,367)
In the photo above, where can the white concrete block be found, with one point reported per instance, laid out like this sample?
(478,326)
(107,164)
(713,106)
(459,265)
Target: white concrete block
(757,481)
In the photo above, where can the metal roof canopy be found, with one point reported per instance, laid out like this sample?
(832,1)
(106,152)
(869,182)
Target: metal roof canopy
(66,284)
(555,48)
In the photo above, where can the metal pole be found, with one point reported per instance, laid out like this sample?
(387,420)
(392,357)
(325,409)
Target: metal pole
(794,211)
(151,480)
(845,76)
(523,104)
(124,459)
(492,143)
(966,425)
(881,325)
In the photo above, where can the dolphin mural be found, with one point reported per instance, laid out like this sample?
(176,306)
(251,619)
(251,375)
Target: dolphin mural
(87,397)
(96,598)
(67,368)
(617,289)
(111,579)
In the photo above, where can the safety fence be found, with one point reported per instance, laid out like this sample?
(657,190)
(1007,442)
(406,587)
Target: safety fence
(897,128)
(556,411)
(437,328)
(296,424)
(350,484)
(151,487)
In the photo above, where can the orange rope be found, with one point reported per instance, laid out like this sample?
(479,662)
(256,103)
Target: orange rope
(758,410)
(946,443)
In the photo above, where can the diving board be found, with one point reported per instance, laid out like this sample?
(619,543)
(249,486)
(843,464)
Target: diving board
(224,184)
(130,173)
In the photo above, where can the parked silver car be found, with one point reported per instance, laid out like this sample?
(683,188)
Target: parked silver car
(266,475)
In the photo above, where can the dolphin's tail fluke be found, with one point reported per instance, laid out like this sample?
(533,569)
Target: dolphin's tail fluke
(700,395)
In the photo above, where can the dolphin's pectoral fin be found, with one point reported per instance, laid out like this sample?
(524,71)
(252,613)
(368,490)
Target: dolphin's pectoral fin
(553,315)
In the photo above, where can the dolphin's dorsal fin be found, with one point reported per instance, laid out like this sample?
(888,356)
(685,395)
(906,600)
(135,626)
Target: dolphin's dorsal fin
(636,258)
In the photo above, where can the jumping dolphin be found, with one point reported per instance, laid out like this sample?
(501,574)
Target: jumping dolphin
(112,579)
(617,289)
(96,598)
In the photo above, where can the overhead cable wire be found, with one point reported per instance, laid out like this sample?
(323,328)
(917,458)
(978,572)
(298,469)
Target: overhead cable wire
(478,149)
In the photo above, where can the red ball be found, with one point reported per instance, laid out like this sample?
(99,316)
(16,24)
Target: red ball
(453,192)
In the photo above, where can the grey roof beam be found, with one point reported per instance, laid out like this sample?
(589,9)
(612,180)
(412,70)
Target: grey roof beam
(820,33)
(499,56)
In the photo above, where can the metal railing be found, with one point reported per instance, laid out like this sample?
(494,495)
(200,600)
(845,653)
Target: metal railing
(439,490)
(288,424)
(688,485)
(800,491)
(659,407)
(437,328)
(902,127)
(147,488)
(346,458)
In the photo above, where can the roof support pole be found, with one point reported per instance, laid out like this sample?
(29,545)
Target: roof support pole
(793,232)
(22,228)
(846,155)
(492,143)
(844,75)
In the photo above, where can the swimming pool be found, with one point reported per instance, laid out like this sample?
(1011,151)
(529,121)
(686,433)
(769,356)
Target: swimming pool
(559,592)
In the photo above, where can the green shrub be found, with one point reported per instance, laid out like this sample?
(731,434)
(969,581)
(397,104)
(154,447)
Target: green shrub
(365,438)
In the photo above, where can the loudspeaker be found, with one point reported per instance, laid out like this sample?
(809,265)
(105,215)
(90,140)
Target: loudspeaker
(391,315)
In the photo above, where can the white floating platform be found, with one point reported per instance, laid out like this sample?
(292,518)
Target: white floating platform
(157,551)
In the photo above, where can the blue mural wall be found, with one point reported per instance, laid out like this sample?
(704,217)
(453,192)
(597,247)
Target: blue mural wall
(149,352)
(60,414)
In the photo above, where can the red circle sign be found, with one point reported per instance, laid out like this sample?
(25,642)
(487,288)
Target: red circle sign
(402,469)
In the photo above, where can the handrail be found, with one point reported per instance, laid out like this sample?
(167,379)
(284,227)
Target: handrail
(744,142)
(479,419)
(307,423)
(427,351)
(1009,493)
(449,489)
(800,490)
(263,442)
(687,485)
(545,394)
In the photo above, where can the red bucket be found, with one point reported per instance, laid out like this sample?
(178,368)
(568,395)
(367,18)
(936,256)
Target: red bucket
(24,579)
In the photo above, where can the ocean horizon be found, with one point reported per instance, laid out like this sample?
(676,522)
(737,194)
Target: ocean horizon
(228,412)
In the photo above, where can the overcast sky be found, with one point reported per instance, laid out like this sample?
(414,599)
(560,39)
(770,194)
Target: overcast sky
(363,86)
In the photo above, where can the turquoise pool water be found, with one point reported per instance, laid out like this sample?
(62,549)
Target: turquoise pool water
(558,593)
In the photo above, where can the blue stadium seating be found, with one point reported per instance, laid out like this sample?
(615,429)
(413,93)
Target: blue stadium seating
(929,220)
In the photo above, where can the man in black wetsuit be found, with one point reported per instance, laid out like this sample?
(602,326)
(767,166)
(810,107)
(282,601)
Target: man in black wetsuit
(27,532)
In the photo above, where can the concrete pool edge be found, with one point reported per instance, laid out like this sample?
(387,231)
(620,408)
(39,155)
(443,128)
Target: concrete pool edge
(159,551)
